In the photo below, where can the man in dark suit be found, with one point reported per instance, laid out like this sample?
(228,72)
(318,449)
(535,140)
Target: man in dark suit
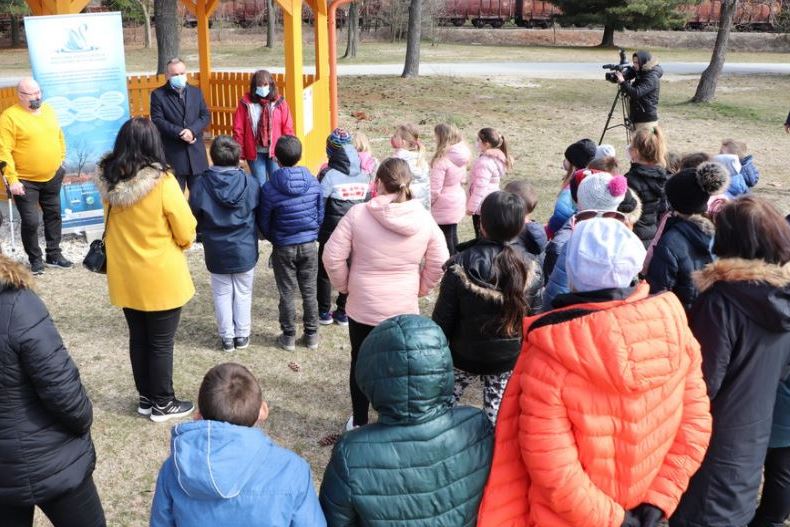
(180,113)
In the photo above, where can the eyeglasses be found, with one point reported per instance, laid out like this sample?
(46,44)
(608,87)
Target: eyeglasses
(37,92)
(590,214)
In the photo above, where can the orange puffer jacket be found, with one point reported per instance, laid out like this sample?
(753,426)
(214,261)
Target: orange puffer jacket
(604,411)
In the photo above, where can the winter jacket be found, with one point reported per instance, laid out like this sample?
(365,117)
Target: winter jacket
(343,185)
(469,308)
(224,202)
(564,208)
(282,124)
(742,321)
(557,282)
(533,238)
(292,208)
(45,414)
(424,463)
(684,247)
(605,410)
(448,175)
(224,474)
(171,113)
(396,253)
(368,164)
(749,171)
(738,185)
(644,92)
(148,228)
(780,431)
(648,182)
(554,250)
(420,185)
(487,172)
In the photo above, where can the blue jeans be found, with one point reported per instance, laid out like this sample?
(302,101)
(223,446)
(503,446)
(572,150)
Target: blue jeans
(262,167)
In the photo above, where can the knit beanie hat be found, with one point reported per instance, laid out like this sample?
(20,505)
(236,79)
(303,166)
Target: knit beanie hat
(601,191)
(603,254)
(604,151)
(336,140)
(689,190)
(580,153)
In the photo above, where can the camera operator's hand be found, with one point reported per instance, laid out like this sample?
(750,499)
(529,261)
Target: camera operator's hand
(620,78)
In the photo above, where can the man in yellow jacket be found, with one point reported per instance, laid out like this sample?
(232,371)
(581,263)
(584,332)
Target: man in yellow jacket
(32,145)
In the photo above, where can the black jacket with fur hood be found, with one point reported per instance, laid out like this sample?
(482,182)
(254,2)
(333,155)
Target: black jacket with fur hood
(742,321)
(45,414)
(470,306)
(645,90)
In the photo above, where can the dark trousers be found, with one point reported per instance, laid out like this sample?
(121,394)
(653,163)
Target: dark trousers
(151,338)
(325,287)
(775,503)
(295,267)
(187,180)
(476,225)
(357,333)
(79,507)
(47,196)
(450,236)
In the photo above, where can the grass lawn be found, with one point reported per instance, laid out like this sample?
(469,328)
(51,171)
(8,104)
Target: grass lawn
(539,119)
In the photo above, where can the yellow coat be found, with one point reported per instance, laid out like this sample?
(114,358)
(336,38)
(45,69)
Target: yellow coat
(149,227)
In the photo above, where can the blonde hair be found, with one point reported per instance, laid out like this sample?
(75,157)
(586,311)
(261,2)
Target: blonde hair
(361,142)
(651,145)
(731,146)
(447,135)
(410,135)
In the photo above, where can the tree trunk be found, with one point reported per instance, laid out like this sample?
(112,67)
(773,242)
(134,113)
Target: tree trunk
(270,19)
(146,24)
(15,31)
(353,31)
(706,88)
(608,37)
(412,66)
(167,34)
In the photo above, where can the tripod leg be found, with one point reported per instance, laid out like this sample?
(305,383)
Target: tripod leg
(609,117)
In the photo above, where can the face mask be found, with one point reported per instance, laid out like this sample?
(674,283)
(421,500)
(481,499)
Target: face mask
(262,91)
(178,81)
(35,104)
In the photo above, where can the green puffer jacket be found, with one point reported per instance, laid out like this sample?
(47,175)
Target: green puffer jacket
(423,463)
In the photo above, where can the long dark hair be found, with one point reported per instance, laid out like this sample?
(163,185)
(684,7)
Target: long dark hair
(496,140)
(502,218)
(138,145)
(259,77)
(751,228)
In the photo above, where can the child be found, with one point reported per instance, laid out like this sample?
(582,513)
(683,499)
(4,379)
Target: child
(738,186)
(425,462)
(290,215)
(647,177)
(577,156)
(693,160)
(750,172)
(448,174)
(406,142)
(224,202)
(367,161)
(487,172)
(533,235)
(224,470)
(343,185)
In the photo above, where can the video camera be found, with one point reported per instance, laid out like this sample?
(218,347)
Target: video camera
(624,67)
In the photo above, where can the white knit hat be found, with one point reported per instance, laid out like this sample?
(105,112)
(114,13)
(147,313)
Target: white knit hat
(601,191)
(604,151)
(603,253)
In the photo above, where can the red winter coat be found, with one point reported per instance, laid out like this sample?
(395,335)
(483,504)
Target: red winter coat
(282,124)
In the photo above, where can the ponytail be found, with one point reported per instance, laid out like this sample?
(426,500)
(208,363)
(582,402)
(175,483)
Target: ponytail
(651,145)
(496,140)
(395,175)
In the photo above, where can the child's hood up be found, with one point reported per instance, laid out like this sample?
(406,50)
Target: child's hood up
(216,460)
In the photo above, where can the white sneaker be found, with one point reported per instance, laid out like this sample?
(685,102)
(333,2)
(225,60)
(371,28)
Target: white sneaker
(350,424)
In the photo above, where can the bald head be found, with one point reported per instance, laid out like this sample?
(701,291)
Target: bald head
(29,93)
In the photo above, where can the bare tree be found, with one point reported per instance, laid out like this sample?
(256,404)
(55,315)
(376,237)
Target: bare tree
(270,19)
(167,32)
(706,88)
(145,5)
(412,66)
(353,31)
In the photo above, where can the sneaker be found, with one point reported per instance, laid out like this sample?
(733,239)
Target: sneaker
(309,340)
(350,424)
(227,345)
(171,410)
(59,261)
(241,343)
(340,318)
(37,268)
(325,318)
(144,405)
(287,342)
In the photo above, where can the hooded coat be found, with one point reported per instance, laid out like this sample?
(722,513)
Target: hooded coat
(448,175)
(645,90)
(684,247)
(45,414)
(292,208)
(396,254)
(742,321)
(224,202)
(420,185)
(470,305)
(343,185)
(424,463)
(224,474)
(734,168)
(648,182)
(606,409)
(487,173)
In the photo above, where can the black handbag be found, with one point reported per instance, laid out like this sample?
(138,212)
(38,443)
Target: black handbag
(96,259)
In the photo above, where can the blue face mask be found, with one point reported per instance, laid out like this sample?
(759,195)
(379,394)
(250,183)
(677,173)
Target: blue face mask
(178,81)
(262,91)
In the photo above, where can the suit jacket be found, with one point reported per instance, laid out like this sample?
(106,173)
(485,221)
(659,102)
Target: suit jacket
(171,114)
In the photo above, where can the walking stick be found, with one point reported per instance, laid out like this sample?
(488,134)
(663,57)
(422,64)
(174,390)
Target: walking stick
(10,206)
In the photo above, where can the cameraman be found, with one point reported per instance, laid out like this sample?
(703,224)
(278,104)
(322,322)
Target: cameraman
(643,92)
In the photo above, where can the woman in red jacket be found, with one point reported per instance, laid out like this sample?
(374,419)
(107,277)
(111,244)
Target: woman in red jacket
(261,118)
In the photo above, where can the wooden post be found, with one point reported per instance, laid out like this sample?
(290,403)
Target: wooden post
(203,10)
(294,62)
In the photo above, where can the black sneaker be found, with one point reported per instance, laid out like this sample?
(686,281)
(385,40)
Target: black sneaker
(37,268)
(227,345)
(241,343)
(59,261)
(171,410)
(144,406)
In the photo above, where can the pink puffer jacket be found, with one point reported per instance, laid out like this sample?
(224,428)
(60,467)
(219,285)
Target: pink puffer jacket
(386,244)
(487,172)
(448,174)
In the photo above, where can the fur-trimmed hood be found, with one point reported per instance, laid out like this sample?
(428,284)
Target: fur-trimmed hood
(14,275)
(127,193)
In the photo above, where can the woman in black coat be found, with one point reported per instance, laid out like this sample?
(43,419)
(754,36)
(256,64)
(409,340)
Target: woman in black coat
(742,321)
(46,452)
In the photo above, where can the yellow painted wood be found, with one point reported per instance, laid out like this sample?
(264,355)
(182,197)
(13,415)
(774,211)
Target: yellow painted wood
(204,49)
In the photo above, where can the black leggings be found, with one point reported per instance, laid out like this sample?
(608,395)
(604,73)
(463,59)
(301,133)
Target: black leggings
(450,236)
(79,507)
(775,503)
(476,225)
(357,333)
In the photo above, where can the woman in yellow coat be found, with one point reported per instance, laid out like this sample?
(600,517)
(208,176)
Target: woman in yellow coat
(147,228)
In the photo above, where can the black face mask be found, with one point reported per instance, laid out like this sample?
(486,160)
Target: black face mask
(35,104)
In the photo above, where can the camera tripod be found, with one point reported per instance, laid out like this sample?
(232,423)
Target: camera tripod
(623,99)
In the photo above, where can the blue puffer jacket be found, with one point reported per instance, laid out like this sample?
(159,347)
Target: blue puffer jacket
(553,251)
(223,202)
(750,172)
(224,474)
(564,208)
(292,208)
(557,284)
